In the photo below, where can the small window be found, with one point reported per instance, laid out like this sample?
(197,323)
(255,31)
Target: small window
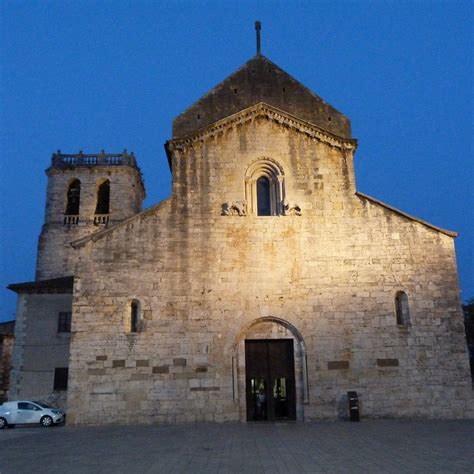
(134,315)
(73,198)
(103,198)
(401,309)
(64,321)
(60,378)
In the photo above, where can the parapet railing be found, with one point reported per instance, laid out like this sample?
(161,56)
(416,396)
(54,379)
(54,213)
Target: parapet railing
(101,219)
(71,219)
(100,159)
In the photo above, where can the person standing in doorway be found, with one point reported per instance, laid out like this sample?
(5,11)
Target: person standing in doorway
(261,403)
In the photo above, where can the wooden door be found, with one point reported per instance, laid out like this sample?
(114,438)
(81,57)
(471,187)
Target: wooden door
(270,380)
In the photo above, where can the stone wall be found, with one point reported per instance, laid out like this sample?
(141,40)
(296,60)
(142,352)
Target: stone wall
(202,277)
(39,348)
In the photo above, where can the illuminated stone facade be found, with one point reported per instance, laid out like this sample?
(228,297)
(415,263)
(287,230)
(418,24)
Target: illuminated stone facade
(164,301)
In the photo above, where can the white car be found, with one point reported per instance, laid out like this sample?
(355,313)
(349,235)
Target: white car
(29,412)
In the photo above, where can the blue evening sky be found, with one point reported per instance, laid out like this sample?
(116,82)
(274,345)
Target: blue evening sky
(113,74)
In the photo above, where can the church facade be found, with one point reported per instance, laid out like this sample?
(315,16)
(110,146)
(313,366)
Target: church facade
(264,288)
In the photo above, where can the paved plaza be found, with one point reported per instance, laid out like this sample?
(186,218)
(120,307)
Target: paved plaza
(378,446)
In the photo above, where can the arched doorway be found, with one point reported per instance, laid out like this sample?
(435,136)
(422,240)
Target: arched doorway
(270,371)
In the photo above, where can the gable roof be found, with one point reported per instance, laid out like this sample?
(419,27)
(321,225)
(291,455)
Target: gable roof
(260,80)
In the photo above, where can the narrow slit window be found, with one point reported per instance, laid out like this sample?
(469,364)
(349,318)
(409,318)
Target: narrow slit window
(134,316)
(263,197)
(103,198)
(73,198)
(401,309)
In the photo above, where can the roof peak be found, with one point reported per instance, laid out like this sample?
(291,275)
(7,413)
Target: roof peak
(260,80)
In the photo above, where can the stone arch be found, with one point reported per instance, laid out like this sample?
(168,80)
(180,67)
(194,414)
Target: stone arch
(269,327)
(272,171)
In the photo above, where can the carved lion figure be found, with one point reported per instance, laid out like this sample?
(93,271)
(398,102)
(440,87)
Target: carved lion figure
(291,209)
(236,208)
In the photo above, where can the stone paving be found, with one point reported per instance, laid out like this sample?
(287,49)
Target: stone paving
(372,446)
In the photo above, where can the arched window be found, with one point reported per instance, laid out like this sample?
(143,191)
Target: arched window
(103,198)
(263,197)
(265,188)
(401,309)
(73,198)
(134,317)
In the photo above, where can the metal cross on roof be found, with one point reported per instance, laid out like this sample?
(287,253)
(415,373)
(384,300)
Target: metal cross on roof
(258,27)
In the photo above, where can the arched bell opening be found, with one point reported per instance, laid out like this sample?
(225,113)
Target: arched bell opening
(103,198)
(73,198)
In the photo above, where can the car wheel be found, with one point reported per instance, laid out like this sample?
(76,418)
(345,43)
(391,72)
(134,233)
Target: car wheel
(3,423)
(46,421)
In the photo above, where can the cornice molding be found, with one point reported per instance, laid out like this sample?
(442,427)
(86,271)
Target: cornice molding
(373,200)
(267,111)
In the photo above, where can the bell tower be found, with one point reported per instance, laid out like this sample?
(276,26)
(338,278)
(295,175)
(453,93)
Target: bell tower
(85,193)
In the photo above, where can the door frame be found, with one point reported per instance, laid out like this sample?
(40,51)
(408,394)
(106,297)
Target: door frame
(269,327)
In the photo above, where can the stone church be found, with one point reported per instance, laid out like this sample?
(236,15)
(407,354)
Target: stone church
(264,288)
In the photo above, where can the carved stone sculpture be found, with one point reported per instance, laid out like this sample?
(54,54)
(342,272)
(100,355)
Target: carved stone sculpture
(236,208)
(291,209)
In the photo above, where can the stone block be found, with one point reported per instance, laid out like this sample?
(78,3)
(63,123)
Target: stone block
(161,369)
(103,388)
(96,371)
(140,377)
(387,362)
(204,389)
(338,364)
(179,362)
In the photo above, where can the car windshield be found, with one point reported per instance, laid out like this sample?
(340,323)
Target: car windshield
(41,404)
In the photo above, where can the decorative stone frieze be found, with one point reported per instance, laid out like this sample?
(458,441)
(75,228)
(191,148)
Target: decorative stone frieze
(266,111)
